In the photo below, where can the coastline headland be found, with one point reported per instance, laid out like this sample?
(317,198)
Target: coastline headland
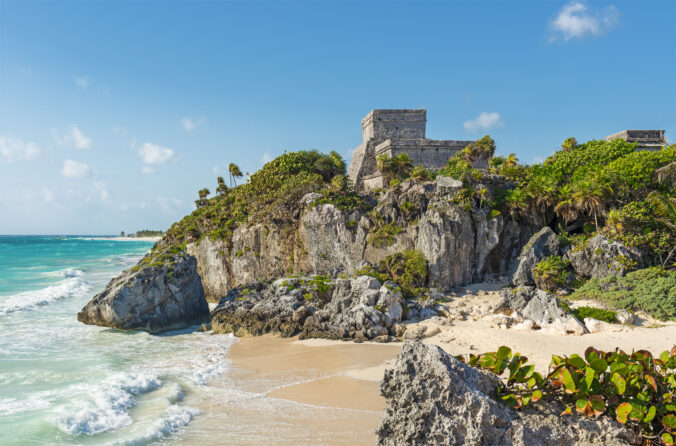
(474,252)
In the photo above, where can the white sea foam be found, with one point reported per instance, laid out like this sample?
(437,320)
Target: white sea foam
(11,406)
(68,272)
(105,407)
(31,300)
(172,419)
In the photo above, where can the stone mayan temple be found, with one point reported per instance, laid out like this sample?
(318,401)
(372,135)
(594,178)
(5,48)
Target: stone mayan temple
(646,139)
(392,132)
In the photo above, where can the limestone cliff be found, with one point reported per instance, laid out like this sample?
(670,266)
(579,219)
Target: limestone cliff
(461,242)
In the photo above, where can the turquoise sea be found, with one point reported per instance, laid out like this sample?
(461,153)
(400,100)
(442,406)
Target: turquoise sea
(63,382)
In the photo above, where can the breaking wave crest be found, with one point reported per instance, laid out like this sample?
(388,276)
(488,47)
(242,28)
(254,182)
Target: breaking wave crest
(31,300)
(106,406)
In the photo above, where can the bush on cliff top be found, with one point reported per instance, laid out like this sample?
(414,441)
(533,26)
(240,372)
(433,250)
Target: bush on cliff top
(271,195)
(652,290)
(638,390)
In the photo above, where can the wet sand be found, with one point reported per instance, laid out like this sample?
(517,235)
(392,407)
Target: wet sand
(288,392)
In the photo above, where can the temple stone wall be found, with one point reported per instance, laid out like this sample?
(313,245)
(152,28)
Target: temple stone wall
(392,132)
(646,139)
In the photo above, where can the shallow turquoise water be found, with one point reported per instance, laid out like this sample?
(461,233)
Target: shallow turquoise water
(62,382)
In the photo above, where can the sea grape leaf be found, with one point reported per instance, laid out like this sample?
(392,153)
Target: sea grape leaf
(600,365)
(669,422)
(622,411)
(619,382)
(650,415)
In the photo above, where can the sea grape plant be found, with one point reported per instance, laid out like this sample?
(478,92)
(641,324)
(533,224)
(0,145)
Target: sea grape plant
(637,389)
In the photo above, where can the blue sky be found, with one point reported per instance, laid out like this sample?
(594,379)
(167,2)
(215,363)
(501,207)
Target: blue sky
(114,114)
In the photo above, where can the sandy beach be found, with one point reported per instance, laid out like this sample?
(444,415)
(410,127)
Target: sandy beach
(327,392)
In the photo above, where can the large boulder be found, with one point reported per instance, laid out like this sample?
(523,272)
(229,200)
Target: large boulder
(602,258)
(540,307)
(153,298)
(360,308)
(542,244)
(435,399)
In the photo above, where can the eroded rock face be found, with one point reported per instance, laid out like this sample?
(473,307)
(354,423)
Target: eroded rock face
(434,399)
(153,299)
(602,258)
(361,308)
(543,243)
(461,245)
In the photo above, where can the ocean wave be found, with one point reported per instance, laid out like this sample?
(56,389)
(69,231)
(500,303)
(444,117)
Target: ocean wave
(31,300)
(67,273)
(106,406)
(172,419)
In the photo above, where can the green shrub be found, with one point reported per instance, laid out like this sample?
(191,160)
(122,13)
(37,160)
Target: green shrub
(638,390)
(652,290)
(550,273)
(408,269)
(597,313)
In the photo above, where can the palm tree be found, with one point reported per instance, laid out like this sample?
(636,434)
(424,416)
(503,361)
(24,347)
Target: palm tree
(222,188)
(566,208)
(590,195)
(664,208)
(517,200)
(569,144)
(203,194)
(543,192)
(399,166)
(234,173)
(511,160)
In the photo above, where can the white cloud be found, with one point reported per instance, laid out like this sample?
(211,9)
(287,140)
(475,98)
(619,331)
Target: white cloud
(73,169)
(154,154)
(147,169)
(266,158)
(13,149)
(575,20)
(169,204)
(485,121)
(72,138)
(101,189)
(82,81)
(190,125)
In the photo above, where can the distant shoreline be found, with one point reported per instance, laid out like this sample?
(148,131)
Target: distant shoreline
(127,239)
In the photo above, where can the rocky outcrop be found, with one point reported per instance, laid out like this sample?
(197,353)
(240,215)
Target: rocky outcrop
(461,243)
(152,298)
(435,399)
(540,307)
(602,258)
(314,307)
(542,244)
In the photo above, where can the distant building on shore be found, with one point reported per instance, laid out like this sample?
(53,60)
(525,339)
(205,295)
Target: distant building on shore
(646,139)
(391,132)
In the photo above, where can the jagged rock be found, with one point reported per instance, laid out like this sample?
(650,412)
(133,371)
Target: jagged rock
(542,244)
(153,298)
(625,317)
(359,308)
(602,258)
(542,308)
(434,399)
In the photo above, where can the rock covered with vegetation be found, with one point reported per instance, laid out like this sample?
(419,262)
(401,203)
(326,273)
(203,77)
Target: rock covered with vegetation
(360,308)
(298,215)
(163,295)
(435,399)
(542,244)
(601,257)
